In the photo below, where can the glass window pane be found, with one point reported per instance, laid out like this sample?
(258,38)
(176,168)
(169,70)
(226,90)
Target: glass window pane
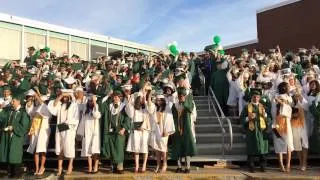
(114,53)
(10,44)
(60,46)
(79,49)
(130,50)
(35,40)
(97,51)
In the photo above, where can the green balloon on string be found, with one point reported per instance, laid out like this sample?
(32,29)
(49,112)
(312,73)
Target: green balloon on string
(216,39)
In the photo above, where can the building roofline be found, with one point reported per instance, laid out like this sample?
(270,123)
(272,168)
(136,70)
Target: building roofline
(244,43)
(274,6)
(50,27)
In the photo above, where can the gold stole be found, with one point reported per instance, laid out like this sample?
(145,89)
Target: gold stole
(36,123)
(281,124)
(298,121)
(261,117)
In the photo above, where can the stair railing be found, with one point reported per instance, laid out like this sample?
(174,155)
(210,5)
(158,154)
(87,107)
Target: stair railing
(213,102)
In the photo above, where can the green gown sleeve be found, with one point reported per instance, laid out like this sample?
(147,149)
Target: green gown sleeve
(20,128)
(188,103)
(243,118)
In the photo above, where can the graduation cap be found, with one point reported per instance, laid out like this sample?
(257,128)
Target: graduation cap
(19,97)
(302,50)
(126,87)
(286,71)
(272,51)
(31,48)
(182,91)
(255,92)
(30,92)
(117,93)
(75,56)
(6,87)
(70,80)
(46,49)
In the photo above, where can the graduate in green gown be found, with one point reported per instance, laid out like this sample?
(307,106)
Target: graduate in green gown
(255,121)
(315,135)
(220,84)
(116,124)
(183,141)
(14,125)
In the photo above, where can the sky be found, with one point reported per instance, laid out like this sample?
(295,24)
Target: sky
(191,23)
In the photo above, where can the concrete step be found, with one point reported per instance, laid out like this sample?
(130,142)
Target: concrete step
(202,106)
(216,149)
(215,128)
(204,138)
(213,120)
(205,112)
(200,98)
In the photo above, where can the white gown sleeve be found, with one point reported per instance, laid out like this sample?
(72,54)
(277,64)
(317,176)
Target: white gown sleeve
(53,109)
(96,113)
(169,123)
(44,111)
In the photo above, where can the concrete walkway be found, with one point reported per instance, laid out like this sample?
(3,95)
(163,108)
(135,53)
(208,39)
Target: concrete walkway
(196,173)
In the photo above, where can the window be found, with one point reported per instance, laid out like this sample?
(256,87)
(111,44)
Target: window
(79,46)
(59,43)
(115,50)
(35,40)
(79,49)
(60,46)
(97,49)
(10,44)
(130,50)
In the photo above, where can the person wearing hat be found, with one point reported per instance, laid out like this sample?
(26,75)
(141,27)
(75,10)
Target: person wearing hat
(140,119)
(162,127)
(115,126)
(183,139)
(40,129)
(14,126)
(28,59)
(67,122)
(169,92)
(255,121)
(89,132)
(281,116)
(220,84)
(6,98)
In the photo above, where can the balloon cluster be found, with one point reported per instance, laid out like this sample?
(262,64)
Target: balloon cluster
(217,46)
(173,48)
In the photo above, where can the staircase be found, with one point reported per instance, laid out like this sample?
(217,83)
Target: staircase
(209,135)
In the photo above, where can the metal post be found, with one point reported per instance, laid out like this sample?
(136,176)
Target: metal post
(22,56)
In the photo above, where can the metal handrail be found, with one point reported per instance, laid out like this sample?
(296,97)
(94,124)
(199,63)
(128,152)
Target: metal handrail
(212,100)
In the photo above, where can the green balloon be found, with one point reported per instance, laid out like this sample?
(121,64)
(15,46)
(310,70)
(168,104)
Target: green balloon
(172,49)
(216,39)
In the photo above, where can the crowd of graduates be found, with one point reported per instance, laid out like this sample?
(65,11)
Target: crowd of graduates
(139,103)
(276,95)
(134,103)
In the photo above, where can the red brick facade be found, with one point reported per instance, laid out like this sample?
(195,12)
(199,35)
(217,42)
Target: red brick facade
(290,26)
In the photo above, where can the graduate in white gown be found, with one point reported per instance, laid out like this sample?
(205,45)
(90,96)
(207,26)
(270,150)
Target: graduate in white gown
(40,129)
(281,114)
(67,123)
(139,136)
(162,127)
(89,131)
